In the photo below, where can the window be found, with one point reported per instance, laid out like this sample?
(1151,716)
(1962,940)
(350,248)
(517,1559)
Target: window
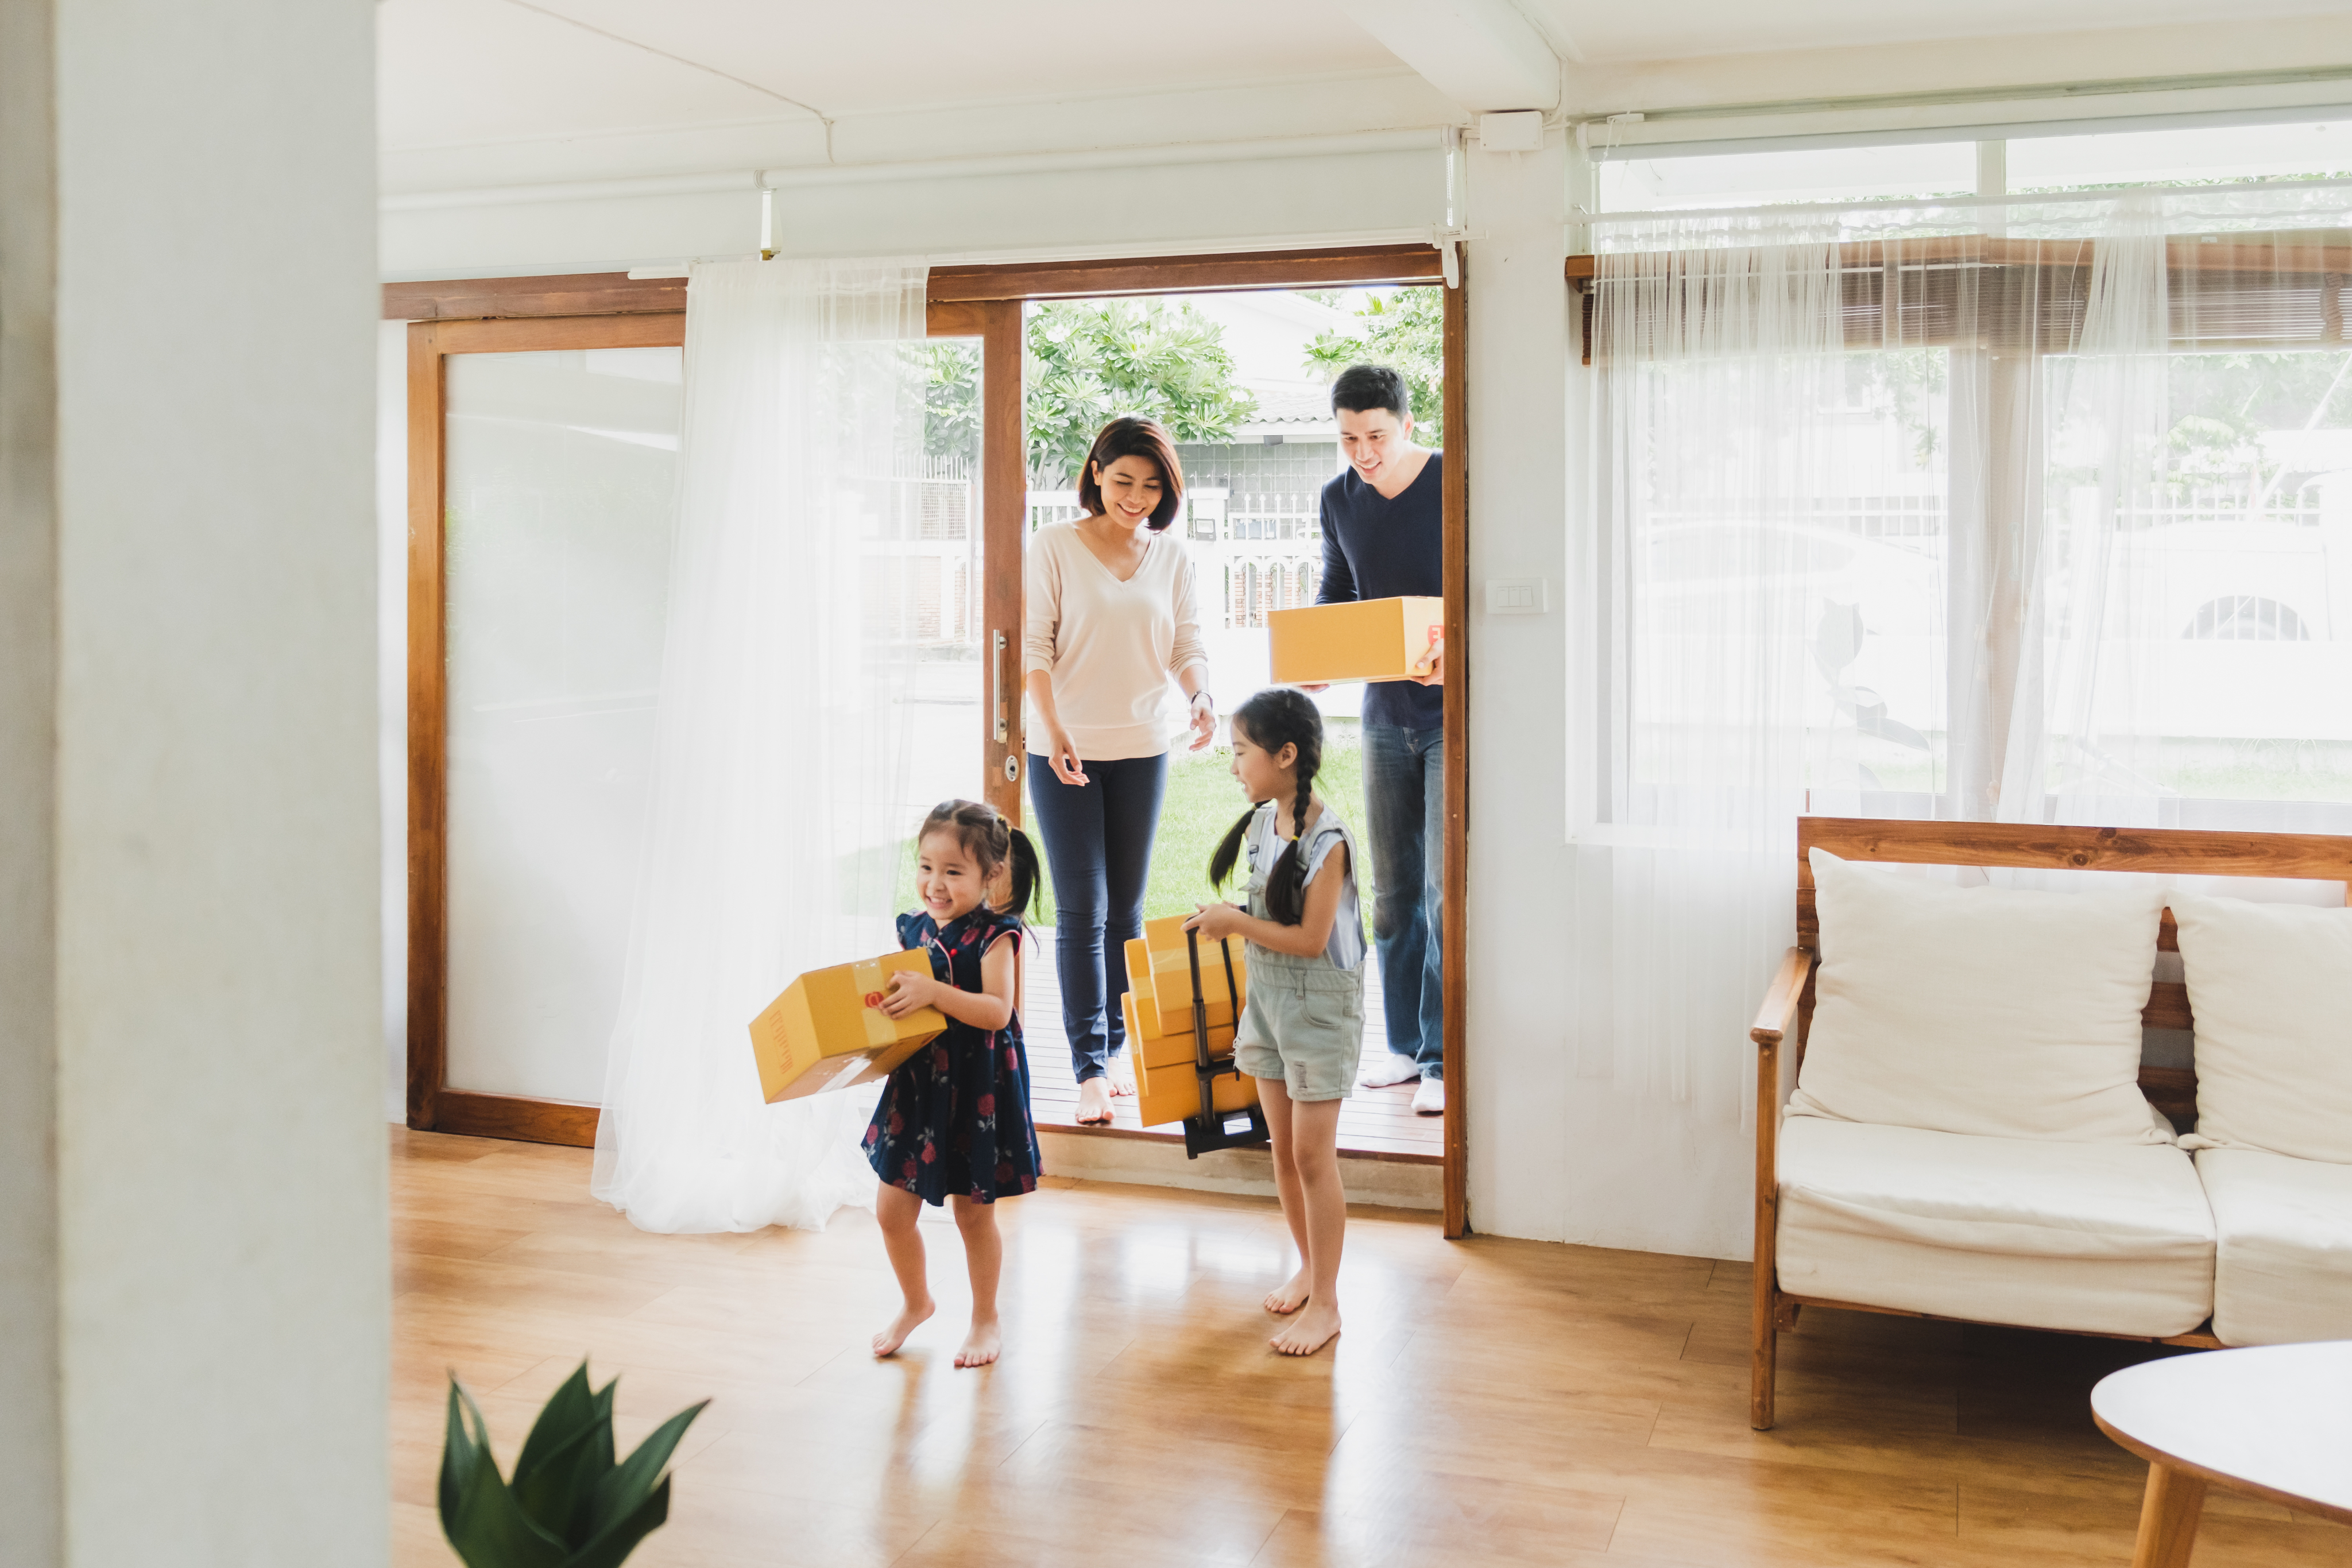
(2242,618)
(1977,525)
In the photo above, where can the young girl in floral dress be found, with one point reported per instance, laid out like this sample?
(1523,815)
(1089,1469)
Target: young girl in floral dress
(952,1125)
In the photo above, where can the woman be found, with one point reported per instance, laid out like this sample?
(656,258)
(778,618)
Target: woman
(1112,618)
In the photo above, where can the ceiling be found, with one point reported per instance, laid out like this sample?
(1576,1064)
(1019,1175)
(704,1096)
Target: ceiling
(587,76)
(523,72)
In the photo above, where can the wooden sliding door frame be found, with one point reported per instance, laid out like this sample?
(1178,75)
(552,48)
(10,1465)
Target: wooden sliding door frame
(613,310)
(432,1105)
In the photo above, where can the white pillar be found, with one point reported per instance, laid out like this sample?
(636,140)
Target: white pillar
(1519,351)
(193,1279)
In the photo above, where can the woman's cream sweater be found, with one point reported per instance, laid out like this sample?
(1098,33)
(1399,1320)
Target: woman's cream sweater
(1112,648)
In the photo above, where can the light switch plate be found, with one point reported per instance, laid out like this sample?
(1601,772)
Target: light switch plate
(1518,595)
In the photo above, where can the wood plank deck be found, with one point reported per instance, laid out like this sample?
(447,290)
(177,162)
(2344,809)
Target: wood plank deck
(1379,1123)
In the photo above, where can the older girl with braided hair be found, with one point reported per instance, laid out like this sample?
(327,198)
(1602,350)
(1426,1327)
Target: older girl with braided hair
(1302,1029)
(952,1125)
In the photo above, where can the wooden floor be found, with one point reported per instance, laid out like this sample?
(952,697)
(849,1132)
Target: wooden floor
(1491,1402)
(1378,1121)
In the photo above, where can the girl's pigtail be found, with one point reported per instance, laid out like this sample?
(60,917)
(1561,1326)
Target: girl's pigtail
(1286,887)
(1220,865)
(1027,875)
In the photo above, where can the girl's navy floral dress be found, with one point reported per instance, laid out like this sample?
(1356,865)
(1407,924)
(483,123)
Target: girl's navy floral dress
(954,1117)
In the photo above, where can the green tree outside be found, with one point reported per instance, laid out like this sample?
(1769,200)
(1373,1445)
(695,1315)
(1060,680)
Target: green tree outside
(1404,329)
(1090,362)
(1087,362)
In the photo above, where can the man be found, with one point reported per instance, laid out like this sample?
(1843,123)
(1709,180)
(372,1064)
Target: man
(1383,537)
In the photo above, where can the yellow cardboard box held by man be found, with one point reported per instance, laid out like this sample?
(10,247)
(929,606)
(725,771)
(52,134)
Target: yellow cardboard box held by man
(1360,640)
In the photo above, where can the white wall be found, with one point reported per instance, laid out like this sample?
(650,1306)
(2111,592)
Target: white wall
(32,1497)
(196,944)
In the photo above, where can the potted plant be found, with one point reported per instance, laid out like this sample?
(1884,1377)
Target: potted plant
(568,1505)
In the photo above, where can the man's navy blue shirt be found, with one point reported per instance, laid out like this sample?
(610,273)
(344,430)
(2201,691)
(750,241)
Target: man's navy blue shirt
(1374,547)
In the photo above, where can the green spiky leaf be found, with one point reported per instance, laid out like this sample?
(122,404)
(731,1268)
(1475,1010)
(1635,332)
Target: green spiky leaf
(485,1526)
(570,1505)
(567,1413)
(569,1452)
(621,1537)
(623,1493)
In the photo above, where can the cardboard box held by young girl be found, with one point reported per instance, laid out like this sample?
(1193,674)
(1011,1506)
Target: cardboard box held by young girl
(828,1030)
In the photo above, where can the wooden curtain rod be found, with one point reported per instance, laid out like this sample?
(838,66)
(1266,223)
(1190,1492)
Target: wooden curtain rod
(2282,253)
(618,294)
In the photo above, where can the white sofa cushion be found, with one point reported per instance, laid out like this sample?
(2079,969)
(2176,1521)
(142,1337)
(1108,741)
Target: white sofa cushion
(2271,986)
(2283,1271)
(1988,1011)
(2109,1238)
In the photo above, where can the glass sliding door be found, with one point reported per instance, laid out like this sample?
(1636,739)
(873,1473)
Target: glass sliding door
(942,588)
(560,469)
(543,465)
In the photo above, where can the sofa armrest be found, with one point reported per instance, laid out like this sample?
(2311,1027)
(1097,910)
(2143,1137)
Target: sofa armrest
(1781,1001)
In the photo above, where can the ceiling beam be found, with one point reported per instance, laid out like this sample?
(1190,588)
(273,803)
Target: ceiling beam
(1485,55)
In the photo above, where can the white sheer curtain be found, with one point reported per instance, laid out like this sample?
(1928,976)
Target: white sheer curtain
(781,744)
(1974,511)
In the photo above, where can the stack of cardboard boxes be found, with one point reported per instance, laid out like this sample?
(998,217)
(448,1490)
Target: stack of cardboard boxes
(1160,1020)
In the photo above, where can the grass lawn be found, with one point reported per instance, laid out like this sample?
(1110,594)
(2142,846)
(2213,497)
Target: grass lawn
(1202,803)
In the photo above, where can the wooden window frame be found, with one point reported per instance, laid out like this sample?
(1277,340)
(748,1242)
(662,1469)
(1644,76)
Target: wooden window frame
(615,310)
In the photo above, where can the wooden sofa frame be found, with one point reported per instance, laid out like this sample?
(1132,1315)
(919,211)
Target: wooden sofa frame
(2020,845)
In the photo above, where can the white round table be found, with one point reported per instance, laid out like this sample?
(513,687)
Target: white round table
(2274,1421)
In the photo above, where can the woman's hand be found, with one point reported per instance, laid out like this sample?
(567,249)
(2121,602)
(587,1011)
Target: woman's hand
(1205,721)
(909,992)
(1062,756)
(1217,921)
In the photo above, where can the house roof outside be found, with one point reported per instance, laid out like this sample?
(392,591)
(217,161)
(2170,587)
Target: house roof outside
(1290,412)
(1267,334)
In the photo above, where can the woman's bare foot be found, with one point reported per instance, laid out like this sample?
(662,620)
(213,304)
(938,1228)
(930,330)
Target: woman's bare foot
(1094,1103)
(1315,1327)
(980,1345)
(1291,1297)
(888,1342)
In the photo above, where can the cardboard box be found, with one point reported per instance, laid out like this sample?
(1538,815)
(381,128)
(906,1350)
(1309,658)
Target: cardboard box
(1159,972)
(828,1030)
(1170,1046)
(1172,1091)
(1368,640)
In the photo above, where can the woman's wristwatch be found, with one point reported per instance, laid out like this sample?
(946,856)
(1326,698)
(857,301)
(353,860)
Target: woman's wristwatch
(1203,696)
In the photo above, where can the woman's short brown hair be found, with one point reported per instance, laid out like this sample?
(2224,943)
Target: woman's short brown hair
(1131,436)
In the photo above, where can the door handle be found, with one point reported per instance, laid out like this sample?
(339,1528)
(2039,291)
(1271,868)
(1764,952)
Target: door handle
(997,692)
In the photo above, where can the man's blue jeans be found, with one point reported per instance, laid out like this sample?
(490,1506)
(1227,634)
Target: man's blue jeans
(1404,788)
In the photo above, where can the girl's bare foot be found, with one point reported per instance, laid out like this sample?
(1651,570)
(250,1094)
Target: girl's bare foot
(1310,1330)
(980,1345)
(888,1342)
(1291,1297)
(1094,1103)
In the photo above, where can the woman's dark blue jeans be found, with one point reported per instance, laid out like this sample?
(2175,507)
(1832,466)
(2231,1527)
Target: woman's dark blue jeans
(1098,850)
